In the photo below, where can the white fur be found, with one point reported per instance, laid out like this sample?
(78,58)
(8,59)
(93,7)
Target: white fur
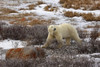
(66,31)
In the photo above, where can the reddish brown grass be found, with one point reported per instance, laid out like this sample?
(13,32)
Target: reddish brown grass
(86,16)
(7,10)
(32,6)
(85,4)
(71,14)
(32,21)
(50,8)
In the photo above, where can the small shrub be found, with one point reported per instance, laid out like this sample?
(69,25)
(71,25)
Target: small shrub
(36,34)
(49,62)
(83,34)
(92,46)
(13,32)
(94,35)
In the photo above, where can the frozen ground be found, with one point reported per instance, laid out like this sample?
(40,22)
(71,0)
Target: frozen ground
(78,22)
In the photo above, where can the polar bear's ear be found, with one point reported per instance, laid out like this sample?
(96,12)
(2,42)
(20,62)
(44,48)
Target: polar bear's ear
(49,26)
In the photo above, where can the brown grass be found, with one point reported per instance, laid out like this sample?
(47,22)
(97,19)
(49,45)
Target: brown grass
(90,26)
(23,9)
(84,4)
(86,16)
(32,21)
(16,18)
(7,10)
(8,17)
(71,14)
(39,21)
(50,8)
(39,2)
(21,19)
(90,17)
(32,6)
(35,21)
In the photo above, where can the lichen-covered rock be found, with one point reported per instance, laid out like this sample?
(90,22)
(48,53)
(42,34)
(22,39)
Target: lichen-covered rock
(29,52)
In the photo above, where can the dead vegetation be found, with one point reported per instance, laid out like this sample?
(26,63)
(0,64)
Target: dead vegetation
(37,21)
(81,4)
(91,26)
(32,6)
(21,19)
(7,11)
(34,35)
(30,21)
(50,8)
(49,62)
(93,45)
(15,17)
(86,16)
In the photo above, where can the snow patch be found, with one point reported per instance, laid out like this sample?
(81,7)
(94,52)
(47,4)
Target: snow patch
(8,44)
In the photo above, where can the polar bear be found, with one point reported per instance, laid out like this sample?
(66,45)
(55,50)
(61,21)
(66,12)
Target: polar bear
(60,32)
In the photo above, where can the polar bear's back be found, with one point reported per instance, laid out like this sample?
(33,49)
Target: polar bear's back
(67,30)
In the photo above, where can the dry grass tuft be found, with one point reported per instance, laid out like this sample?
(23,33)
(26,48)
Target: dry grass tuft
(36,21)
(90,17)
(50,8)
(40,2)
(7,10)
(23,9)
(90,26)
(31,6)
(39,21)
(25,19)
(86,16)
(83,4)
(30,21)
(71,14)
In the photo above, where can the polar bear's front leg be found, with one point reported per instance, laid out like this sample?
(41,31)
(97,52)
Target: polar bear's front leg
(48,41)
(59,40)
(68,41)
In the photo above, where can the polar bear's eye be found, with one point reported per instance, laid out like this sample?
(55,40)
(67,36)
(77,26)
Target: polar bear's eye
(54,29)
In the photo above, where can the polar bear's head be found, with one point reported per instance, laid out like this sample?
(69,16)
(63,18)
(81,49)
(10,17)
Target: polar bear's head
(52,29)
